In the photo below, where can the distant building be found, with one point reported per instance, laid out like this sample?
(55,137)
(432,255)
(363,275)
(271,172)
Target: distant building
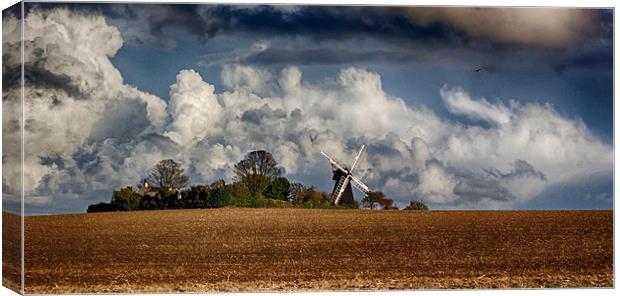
(147,190)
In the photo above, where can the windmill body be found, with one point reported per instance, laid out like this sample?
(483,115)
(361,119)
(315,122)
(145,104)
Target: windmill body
(346,199)
(342,194)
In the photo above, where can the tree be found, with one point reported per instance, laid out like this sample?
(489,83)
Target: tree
(197,197)
(149,203)
(103,207)
(373,199)
(315,197)
(218,184)
(387,203)
(126,199)
(391,207)
(168,174)
(297,193)
(221,196)
(279,188)
(417,205)
(256,171)
(241,196)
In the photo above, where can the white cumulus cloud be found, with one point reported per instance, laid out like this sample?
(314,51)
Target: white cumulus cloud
(193,107)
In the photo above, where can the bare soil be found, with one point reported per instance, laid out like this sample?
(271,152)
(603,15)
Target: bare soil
(310,249)
(11,251)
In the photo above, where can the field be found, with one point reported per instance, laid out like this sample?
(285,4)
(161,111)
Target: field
(11,252)
(309,249)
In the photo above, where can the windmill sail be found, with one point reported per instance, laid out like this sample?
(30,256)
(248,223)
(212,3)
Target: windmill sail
(334,163)
(359,185)
(357,157)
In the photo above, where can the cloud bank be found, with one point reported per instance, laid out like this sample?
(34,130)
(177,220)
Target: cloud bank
(541,27)
(87,132)
(558,37)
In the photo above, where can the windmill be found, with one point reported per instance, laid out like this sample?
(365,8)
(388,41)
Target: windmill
(342,193)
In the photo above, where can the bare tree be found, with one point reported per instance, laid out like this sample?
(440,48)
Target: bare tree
(297,193)
(258,162)
(256,171)
(168,174)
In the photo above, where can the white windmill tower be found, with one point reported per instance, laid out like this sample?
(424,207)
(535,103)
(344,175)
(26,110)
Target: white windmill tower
(342,193)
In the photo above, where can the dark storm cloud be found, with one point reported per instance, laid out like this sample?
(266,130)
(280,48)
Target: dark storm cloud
(159,17)
(326,23)
(483,35)
(400,25)
(464,27)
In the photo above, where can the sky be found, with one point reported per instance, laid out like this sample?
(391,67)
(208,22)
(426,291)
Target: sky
(461,108)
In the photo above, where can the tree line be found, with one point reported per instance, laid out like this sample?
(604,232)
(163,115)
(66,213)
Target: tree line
(257,182)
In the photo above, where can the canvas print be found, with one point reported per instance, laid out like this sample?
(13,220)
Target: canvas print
(154,147)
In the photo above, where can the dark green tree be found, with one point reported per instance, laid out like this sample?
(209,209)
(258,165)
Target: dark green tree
(415,205)
(241,196)
(197,197)
(126,199)
(149,203)
(279,188)
(221,196)
(103,207)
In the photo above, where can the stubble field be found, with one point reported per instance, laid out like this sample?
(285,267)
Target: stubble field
(309,249)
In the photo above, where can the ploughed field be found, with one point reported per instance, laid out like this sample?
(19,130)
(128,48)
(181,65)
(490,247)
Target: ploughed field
(311,249)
